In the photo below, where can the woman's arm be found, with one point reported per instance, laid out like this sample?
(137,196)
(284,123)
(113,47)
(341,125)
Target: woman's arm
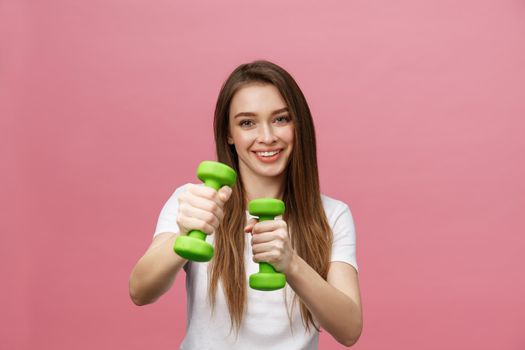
(154,273)
(335,303)
(199,208)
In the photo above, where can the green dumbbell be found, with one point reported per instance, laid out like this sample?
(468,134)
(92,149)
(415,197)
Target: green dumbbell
(193,246)
(267,278)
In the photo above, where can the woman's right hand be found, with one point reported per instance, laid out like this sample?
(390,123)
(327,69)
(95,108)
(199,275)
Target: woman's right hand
(201,208)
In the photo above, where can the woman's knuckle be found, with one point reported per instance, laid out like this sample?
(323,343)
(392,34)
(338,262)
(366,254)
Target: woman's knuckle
(208,218)
(213,207)
(201,225)
(183,207)
(209,193)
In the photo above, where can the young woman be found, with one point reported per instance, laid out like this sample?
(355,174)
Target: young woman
(264,130)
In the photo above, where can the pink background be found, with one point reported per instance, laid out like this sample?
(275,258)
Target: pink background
(106,107)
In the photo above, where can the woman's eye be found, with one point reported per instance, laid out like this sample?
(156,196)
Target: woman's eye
(245,123)
(283,119)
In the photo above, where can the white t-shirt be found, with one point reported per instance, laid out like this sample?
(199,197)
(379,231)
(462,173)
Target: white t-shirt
(266,323)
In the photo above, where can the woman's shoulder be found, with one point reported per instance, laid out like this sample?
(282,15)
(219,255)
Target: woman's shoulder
(333,207)
(332,203)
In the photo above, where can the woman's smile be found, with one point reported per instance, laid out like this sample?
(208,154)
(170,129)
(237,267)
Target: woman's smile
(268,156)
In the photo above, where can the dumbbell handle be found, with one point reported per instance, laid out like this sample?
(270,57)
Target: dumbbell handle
(265,267)
(267,279)
(216,186)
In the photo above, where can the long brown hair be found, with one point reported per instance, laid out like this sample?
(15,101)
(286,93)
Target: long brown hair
(304,210)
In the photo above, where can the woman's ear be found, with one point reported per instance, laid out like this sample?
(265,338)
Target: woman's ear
(230,140)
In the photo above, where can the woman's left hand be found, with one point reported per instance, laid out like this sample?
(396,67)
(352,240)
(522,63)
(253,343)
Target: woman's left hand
(271,243)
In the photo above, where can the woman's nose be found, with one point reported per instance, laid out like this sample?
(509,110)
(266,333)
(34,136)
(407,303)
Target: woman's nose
(267,134)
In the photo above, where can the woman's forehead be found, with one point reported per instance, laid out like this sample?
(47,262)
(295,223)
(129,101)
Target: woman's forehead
(257,98)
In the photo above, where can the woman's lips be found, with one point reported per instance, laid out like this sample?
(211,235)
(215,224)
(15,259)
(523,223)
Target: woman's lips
(268,159)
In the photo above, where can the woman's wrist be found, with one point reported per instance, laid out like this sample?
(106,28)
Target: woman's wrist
(293,266)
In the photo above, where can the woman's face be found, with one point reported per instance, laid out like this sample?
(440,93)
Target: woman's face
(261,129)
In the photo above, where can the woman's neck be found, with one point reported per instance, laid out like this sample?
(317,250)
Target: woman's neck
(263,187)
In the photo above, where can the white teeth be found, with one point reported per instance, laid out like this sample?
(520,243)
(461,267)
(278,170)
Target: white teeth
(267,154)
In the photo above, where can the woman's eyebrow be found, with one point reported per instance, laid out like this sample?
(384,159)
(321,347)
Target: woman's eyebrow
(285,109)
(251,114)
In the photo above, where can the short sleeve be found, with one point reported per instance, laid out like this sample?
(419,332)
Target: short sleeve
(167,221)
(344,238)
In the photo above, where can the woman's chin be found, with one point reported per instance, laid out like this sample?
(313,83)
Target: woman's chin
(270,172)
